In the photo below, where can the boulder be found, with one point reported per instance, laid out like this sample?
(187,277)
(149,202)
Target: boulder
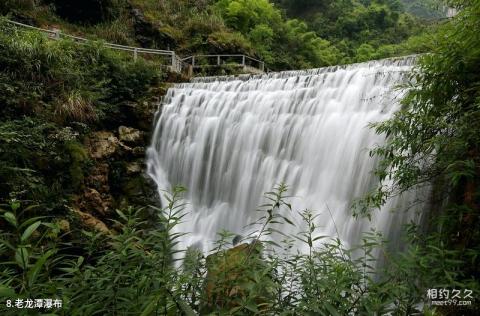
(102,144)
(134,168)
(98,178)
(93,201)
(129,135)
(91,222)
(229,273)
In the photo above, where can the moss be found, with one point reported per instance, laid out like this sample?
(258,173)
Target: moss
(78,158)
(134,187)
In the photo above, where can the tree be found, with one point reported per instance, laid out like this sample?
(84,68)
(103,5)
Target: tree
(434,140)
(244,15)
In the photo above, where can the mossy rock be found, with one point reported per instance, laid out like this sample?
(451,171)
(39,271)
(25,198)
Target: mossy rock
(232,278)
(78,158)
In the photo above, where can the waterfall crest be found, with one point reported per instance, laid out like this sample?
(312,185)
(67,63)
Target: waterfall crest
(230,139)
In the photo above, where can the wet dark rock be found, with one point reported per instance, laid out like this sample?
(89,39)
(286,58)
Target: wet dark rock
(87,11)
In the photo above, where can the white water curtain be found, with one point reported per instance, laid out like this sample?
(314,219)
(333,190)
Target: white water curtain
(229,140)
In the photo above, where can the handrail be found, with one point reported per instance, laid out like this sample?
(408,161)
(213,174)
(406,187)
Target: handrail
(29,26)
(111,45)
(193,58)
(177,63)
(224,55)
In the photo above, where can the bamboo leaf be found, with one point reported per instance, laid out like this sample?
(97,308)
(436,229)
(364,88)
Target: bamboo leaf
(331,309)
(187,310)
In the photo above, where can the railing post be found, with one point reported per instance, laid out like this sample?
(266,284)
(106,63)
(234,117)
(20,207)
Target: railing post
(243,60)
(174,63)
(135,54)
(262,66)
(190,71)
(218,60)
(56,34)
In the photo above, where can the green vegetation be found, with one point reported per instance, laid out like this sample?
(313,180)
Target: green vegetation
(285,34)
(57,96)
(53,94)
(131,272)
(363,29)
(427,9)
(434,139)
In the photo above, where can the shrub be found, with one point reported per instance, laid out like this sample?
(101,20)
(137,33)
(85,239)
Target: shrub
(88,11)
(8,6)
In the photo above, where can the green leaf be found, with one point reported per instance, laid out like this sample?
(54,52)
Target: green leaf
(35,270)
(29,231)
(5,291)
(29,221)
(287,220)
(251,307)
(331,309)
(150,307)
(21,257)
(187,310)
(122,215)
(15,205)
(6,243)
(10,217)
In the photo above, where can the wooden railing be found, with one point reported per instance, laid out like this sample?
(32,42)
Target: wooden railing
(173,61)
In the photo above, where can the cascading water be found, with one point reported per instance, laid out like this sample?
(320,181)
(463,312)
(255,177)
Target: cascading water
(229,140)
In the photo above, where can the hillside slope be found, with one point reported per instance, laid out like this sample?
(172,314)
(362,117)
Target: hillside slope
(285,34)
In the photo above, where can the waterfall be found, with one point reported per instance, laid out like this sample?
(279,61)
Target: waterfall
(230,139)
